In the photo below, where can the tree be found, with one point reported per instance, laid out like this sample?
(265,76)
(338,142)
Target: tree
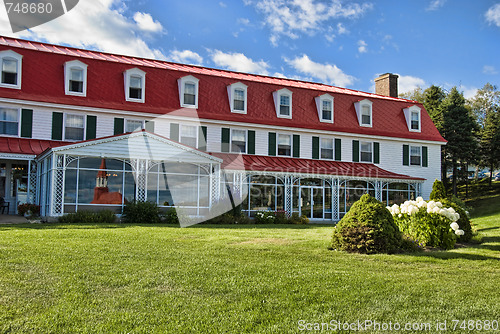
(490,142)
(433,98)
(416,94)
(486,100)
(458,130)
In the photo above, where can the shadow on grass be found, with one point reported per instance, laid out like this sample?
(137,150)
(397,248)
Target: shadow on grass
(444,255)
(46,226)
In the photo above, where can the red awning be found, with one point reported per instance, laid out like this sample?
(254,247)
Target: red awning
(306,166)
(26,145)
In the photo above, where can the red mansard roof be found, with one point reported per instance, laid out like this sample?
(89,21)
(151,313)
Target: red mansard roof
(306,166)
(26,145)
(43,81)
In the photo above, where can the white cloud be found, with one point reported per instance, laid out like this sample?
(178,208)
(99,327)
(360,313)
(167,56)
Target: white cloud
(362,46)
(243,21)
(469,92)
(292,18)
(407,83)
(222,4)
(487,69)
(146,23)
(341,29)
(435,5)
(238,62)
(326,73)
(185,57)
(98,25)
(493,15)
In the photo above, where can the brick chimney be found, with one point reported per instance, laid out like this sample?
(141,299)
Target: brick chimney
(387,85)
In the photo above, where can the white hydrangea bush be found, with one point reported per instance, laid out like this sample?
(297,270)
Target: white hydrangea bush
(427,223)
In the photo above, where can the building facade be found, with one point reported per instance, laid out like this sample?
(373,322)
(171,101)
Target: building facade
(87,130)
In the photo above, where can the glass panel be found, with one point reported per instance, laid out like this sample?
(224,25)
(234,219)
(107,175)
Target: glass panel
(205,191)
(415,155)
(135,82)
(188,135)
(184,188)
(262,197)
(366,152)
(238,141)
(239,99)
(152,188)
(284,105)
(86,185)
(317,196)
(129,190)
(305,202)
(76,74)
(133,125)
(189,93)
(9,71)
(285,145)
(70,186)
(326,148)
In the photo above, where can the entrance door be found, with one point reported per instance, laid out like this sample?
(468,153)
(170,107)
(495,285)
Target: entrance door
(311,202)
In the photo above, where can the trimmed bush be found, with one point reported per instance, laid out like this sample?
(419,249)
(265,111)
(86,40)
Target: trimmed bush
(463,221)
(89,217)
(438,191)
(30,209)
(265,217)
(299,220)
(367,228)
(170,216)
(141,213)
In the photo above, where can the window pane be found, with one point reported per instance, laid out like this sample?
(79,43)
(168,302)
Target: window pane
(9,65)
(366,152)
(284,139)
(327,115)
(326,153)
(135,82)
(188,135)
(76,86)
(74,121)
(135,93)
(8,114)
(284,145)
(74,127)
(326,143)
(415,156)
(284,105)
(76,74)
(74,133)
(239,99)
(365,115)
(238,141)
(133,125)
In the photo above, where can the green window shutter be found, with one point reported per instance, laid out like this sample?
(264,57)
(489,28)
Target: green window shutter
(26,123)
(355,151)
(406,155)
(425,157)
(91,127)
(174,131)
(271,147)
(315,147)
(376,153)
(119,126)
(296,146)
(338,149)
(202,138)
(149,126)
(251,142)
(225,138)
(57,125)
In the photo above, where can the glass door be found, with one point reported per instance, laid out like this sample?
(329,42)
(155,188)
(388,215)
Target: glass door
(306,201)
(311,202)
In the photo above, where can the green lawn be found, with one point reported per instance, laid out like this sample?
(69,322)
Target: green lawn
(232,279)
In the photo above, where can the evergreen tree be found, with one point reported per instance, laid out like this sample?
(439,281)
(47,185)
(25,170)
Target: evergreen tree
(490,142)
(433,97)
(458,130)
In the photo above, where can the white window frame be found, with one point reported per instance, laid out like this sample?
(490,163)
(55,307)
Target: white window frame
(19,58)
(359,112)
(133,120)
(231,140)
(420,155)
(277,102)
(137,73)
(321,148)
(84,127)
(181,82)
(181,126)
(231,95)
(361,151)
(68,66)
(319,106)
(18,110)
(408,112)
(278,144)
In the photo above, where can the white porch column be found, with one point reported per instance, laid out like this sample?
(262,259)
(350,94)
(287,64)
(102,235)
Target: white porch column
(378,190)
(288,182)
(335,198)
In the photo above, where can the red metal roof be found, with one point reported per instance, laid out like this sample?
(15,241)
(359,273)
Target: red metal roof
(43,81)
(26,145)
(306,166)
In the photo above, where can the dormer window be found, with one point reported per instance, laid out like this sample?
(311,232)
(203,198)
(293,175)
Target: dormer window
(11,64)
(283,103)
(188,91)
(364,112)
(324,105)
(75,78)
(413,119)
(135,85)
(237,94)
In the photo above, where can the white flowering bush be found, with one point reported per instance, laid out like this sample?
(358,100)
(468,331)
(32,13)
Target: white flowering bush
(427,223)
(265,217)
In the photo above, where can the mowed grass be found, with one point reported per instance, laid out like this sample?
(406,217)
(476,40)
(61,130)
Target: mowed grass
(232,279)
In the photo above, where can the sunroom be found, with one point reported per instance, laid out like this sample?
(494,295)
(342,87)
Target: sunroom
(108,173)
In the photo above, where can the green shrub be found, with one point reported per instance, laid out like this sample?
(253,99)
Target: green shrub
(298,220)
(30,209)
(368,228)
(438,191)
(281,218)
(141,212)
(170,216)
(88,217)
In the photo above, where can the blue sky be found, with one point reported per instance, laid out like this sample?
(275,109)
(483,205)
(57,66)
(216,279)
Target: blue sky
(338,42)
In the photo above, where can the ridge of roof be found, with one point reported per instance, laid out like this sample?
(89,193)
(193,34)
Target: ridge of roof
(163,64)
